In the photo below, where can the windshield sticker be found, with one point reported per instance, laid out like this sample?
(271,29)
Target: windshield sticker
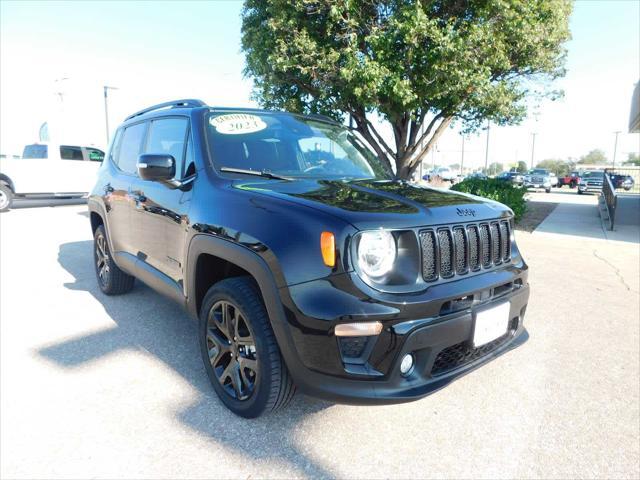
(237,123)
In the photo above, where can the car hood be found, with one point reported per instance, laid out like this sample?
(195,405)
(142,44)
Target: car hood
(384,203)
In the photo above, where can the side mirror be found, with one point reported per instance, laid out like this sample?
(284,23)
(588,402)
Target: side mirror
(156,167)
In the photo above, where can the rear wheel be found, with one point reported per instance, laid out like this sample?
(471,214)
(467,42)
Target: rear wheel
(6,197)
(547,190)
(111,279)
(239,349)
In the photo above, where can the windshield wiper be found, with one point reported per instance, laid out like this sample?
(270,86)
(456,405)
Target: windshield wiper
(261,173)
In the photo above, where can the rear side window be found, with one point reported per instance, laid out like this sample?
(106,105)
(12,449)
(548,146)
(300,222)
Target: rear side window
(68,152)
(35,151)
(168,136)
(94,155)
(130,147)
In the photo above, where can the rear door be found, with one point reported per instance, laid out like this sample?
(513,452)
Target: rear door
(118,196)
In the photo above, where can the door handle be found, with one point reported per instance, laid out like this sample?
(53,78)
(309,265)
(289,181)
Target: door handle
(108,188)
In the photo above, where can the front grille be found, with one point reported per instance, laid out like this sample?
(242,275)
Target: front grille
(447,252)
(461,354)
(537,180)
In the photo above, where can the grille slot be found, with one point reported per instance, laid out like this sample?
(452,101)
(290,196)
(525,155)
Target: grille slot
(505,241)
(495,244)
(474,247)
(461,249)
(463,353)
(447,252)
(428,244)
(485,247)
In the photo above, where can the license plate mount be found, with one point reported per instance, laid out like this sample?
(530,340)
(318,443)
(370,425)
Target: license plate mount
(491,323)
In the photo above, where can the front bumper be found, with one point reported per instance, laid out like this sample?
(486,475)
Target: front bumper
(439,341)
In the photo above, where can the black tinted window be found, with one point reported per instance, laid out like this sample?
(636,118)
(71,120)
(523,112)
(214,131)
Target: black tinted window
(35,151)
(167,136)
(70,153)
(130,147)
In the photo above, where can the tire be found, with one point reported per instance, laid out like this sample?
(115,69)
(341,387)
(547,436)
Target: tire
(260,383)
(111,280)
(547,190)
(580,192)
(6,197)
(573,185)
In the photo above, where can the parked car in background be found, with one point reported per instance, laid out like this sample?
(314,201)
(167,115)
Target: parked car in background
(444,173)
(538,178)
(307,267)
(478,175)
(620,180)
(514,177)
(49,170)
(591,181)
(572,179)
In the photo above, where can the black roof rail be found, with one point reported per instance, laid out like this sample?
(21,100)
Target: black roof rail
(186,102)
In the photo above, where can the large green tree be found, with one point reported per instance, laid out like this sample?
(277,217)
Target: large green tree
(594,157)
(417,64)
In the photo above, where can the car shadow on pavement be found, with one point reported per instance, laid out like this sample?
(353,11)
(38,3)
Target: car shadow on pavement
(147,321)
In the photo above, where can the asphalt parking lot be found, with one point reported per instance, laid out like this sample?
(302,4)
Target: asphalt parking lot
(106,387)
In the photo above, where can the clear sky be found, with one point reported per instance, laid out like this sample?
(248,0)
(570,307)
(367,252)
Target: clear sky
(157,51)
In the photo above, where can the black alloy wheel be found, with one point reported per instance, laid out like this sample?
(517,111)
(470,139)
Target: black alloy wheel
(232,350)
(111,280)
(239,349)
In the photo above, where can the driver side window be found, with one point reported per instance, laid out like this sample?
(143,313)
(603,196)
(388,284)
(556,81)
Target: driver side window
(168,136)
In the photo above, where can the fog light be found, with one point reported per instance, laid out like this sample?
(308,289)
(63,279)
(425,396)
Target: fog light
(406,365)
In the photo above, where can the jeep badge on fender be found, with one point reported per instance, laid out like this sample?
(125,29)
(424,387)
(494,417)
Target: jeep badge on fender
(306,263)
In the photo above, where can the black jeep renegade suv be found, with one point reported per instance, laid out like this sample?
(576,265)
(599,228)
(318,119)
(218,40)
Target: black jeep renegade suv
(306,263)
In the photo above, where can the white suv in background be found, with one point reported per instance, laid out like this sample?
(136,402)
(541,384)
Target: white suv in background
(49,170)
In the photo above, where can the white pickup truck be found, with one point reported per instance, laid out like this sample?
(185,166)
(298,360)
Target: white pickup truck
(49,171)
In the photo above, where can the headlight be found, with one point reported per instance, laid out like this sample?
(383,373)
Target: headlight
(376,253)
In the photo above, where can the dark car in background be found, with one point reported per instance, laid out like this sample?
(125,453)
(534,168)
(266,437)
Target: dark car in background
(620,180)
(514,177)
(307,264)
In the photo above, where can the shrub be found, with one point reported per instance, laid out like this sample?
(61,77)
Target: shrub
(498,190)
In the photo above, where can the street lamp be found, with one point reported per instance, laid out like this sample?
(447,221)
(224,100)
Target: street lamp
(106,111)
(486,151)
(615,148)
(533,147)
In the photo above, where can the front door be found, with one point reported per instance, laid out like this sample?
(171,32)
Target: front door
(159,218)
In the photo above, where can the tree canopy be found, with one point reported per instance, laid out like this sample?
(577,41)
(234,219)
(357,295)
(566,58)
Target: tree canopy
(594,157)
(560,167)
(417,64)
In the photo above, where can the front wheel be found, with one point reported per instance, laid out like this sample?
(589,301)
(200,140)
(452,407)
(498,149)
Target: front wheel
(6,197)
(239,350)
(547,190)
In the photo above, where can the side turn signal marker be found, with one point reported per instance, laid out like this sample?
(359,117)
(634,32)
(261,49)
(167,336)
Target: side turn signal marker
(328,248)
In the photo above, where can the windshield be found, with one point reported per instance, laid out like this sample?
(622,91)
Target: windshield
(289,146)
(35,151)
(539,171)
(593,175)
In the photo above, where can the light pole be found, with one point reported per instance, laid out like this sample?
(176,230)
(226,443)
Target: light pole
(106,110)
(462,159)
(615,148)
(533,147)
(486,150)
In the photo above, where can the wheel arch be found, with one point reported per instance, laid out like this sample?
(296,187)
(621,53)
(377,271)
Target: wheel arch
(7,181)
(243,260)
